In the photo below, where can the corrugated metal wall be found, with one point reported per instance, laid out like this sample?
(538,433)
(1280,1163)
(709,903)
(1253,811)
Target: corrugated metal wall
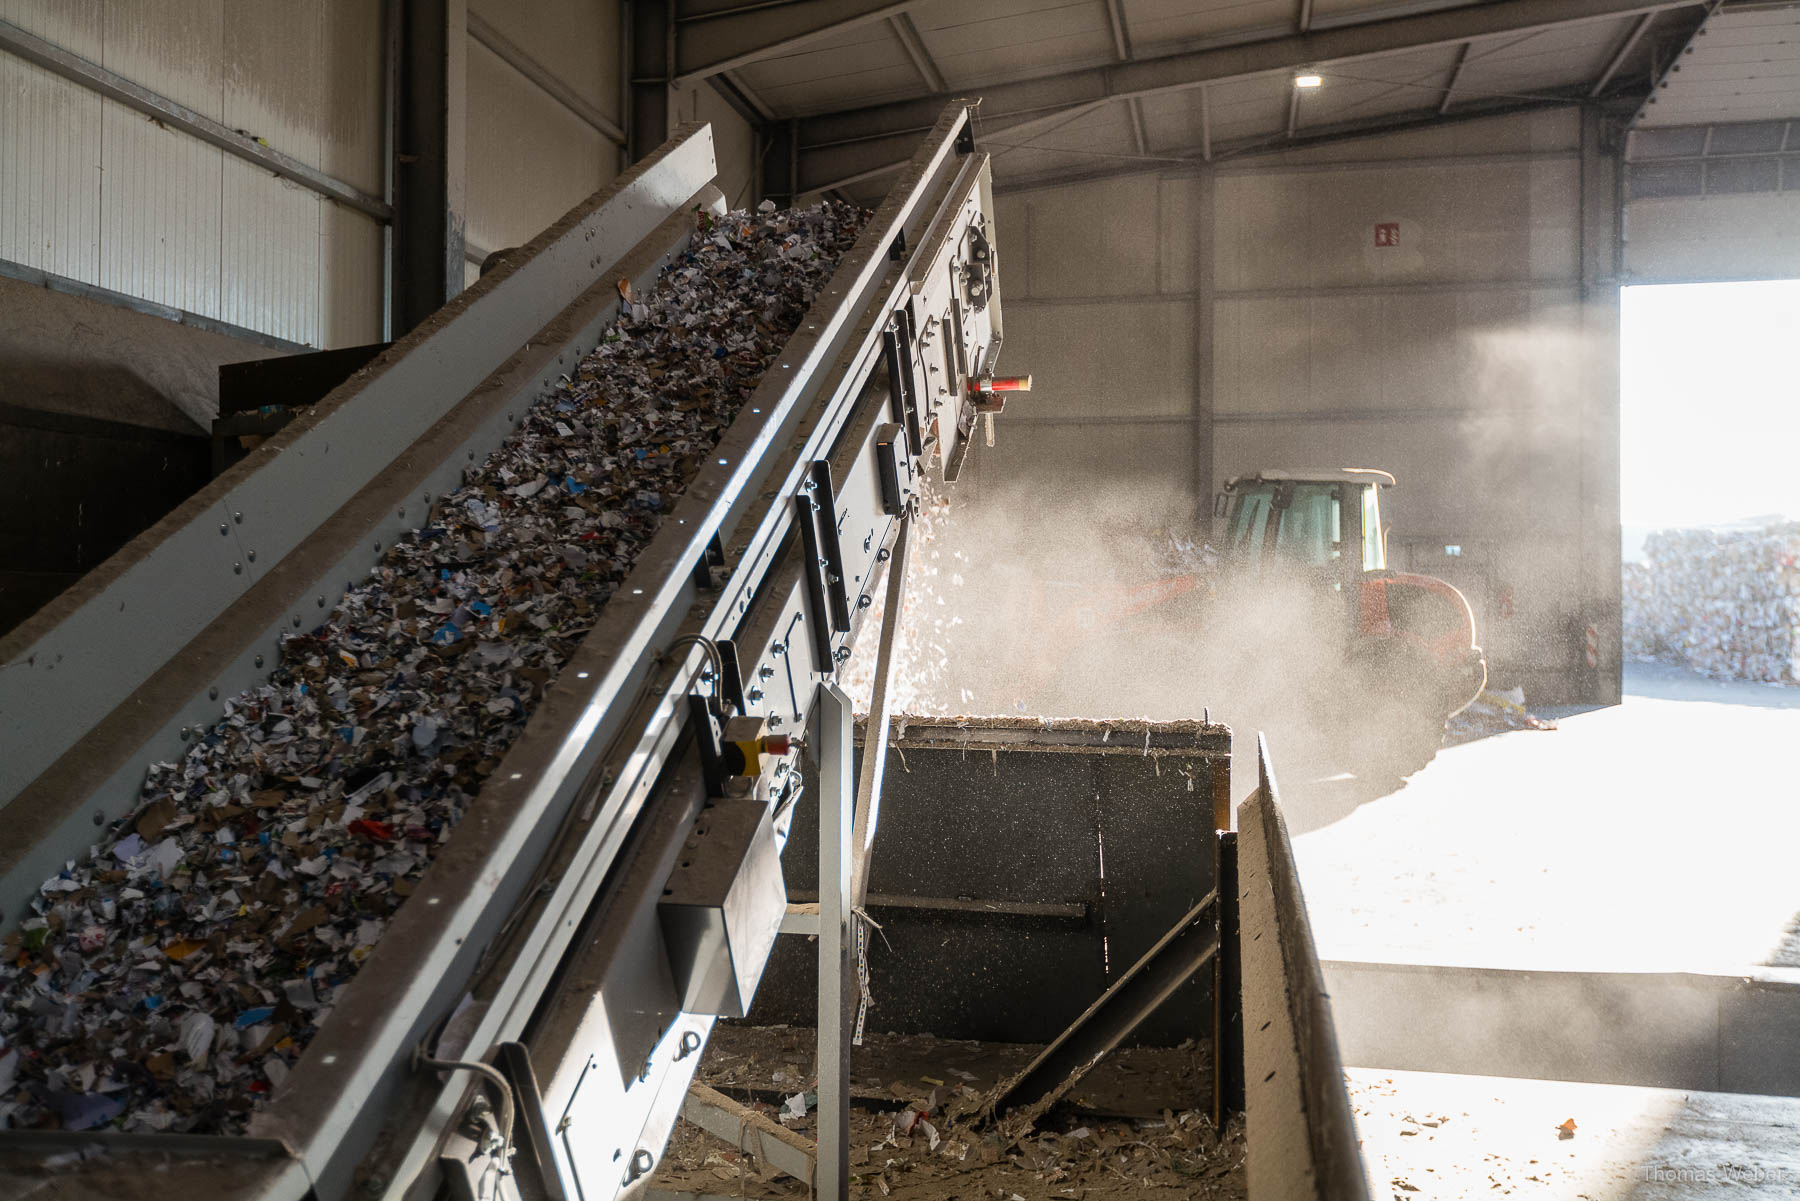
(96,192)
(1190,328)
(530,158)
(101,194)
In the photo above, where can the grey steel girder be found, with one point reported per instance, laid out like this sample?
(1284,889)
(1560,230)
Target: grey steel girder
(863,142)
(707,44)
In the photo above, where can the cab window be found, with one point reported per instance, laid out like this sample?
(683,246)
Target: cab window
(1374,552)
(1250,522)
(1311,531)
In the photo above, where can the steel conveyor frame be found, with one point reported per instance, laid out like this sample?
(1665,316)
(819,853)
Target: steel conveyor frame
(115,674)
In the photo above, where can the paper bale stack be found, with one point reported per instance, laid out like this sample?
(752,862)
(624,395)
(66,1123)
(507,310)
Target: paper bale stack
(1725,603)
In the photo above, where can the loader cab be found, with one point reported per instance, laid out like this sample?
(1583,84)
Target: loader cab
(1324,523)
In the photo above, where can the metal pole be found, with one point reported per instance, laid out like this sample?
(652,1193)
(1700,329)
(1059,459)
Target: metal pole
(837,750)
(875,737)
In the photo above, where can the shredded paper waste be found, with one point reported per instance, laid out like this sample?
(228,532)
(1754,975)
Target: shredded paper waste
(169,980)
(1723,602)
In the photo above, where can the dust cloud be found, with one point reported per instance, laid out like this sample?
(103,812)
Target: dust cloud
(1107,601)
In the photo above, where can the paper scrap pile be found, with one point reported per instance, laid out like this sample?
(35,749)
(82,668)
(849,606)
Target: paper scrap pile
(1725,603)
(170,979)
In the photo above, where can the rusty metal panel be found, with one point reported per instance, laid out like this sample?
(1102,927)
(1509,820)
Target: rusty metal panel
(530,159)
(159,212)
(49,185)
(175,48)
(269,254)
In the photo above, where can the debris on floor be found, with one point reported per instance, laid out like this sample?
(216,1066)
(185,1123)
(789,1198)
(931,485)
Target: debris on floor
(169,980)
(912,1097)
(1724,602)
(1494,713)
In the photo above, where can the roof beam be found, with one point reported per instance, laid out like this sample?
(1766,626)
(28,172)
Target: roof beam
(1121,34)
(708,44)
(1206,124)
(918,51)
(1247,148)
(1462,56)
(484,32)
(839,143)
(1303,22)
(1624,51)
(1662,78)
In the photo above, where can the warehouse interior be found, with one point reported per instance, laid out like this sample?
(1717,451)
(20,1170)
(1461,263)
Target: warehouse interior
(1040,300)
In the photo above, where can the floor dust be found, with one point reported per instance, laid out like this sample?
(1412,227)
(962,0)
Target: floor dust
(1139,1121)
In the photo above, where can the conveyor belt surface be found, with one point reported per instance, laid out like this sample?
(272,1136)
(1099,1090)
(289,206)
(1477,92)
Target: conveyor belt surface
(169,980)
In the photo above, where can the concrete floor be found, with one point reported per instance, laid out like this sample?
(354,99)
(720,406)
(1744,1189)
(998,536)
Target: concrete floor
(1426,1135)
(1657,835)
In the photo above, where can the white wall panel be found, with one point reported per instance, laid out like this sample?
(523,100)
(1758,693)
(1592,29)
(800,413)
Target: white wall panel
(75,25)
(351,277)
(1094,240)
(1145,368)
(575,40)
(1713,238)
(173,47)
(530,160)
(92,190)
(273,73)
(734,142)
(350,128)
(1465,222)
(160,213)
(49,171)
(269,256)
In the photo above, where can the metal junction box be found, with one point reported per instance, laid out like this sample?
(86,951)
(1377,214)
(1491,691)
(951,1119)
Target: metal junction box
(723,905)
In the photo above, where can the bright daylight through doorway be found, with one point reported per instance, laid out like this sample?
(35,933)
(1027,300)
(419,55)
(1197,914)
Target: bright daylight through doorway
(1709,406)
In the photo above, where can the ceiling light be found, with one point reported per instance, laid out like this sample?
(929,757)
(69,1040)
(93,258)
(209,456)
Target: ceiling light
(1308,81)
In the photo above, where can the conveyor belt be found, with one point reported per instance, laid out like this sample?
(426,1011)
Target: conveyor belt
(133,664)
(259,872)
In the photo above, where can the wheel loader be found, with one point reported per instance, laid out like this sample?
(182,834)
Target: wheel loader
(1407,641)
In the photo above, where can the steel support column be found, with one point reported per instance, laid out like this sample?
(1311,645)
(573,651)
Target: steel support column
(1205,185)
(1600,561)
(650,26)
(835,739)
(429,158)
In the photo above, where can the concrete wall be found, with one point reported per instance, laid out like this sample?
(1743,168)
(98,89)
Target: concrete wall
(1187,328)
